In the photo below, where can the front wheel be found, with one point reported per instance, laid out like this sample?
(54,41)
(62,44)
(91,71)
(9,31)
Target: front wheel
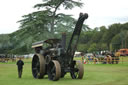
(78,70)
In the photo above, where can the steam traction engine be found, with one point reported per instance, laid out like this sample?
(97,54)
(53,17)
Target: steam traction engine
(52,59)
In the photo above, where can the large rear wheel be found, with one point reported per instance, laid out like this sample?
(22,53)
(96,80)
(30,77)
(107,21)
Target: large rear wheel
(78,70)
(38,66)
(54,70)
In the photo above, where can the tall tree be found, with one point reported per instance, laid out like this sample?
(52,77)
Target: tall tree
(110,33)
(36,20)
(48,15)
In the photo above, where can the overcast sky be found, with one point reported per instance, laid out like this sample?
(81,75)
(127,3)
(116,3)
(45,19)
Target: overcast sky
(101,12)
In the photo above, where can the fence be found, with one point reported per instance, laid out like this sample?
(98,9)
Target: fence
(107,61)
(7,59)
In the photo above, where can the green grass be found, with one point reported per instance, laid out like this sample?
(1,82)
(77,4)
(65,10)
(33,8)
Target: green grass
(95,74)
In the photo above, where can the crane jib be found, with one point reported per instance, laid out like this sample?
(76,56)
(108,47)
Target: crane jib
(75,36)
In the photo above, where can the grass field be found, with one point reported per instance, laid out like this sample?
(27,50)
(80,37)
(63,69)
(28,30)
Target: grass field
(95,74)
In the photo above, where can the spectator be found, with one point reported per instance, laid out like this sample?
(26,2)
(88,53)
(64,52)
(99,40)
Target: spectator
(20,64)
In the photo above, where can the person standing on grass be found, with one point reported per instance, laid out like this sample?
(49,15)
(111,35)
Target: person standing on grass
(20,64)
(82,56)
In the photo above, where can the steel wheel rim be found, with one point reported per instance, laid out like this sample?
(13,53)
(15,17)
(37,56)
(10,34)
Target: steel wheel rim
(54,70)
(38,66)
(78,71)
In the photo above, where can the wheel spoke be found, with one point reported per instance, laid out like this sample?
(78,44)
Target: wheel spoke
(53,69)
(34,68)
(53,75)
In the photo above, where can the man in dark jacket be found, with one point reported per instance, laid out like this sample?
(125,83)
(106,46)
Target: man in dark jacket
(20,64)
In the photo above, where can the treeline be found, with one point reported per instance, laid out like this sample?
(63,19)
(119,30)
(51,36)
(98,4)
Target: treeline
(112,38)
(99,39)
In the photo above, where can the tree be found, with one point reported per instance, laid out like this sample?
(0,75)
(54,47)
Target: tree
(96,36)
(83,47)
(48,18)
(116,42)
(36,20)
(123,38)
(92,48)
(110,33)
(5,43)
(86,37)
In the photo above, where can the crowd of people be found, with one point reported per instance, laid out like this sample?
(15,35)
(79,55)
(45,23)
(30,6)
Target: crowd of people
(107,58)
(5,58)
